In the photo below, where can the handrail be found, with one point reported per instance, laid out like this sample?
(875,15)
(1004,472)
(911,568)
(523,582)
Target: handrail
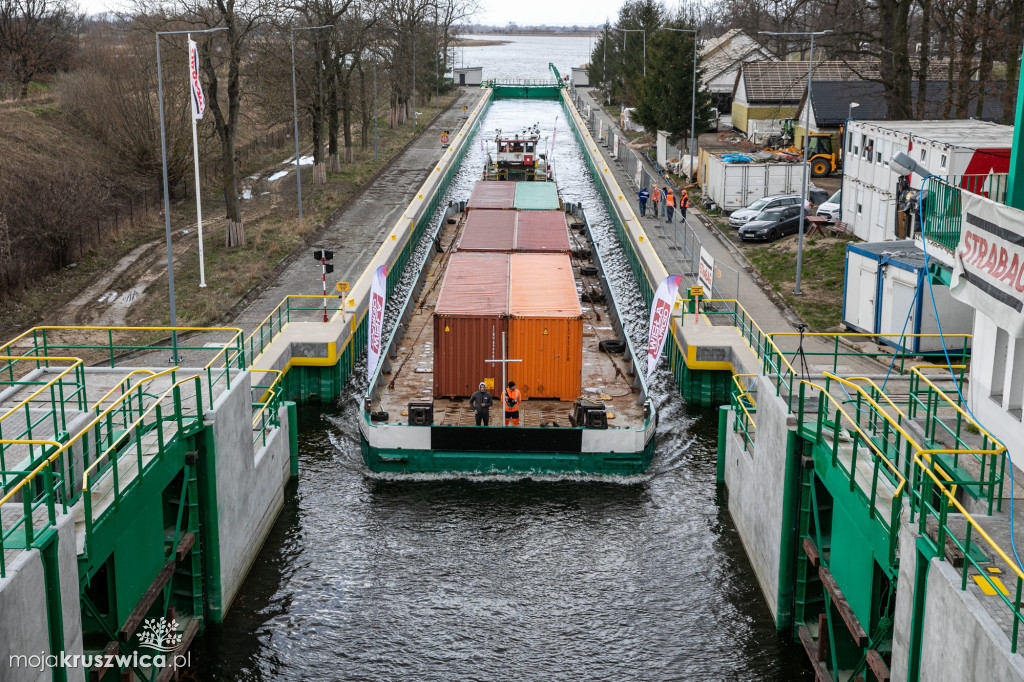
(942,394)
(867,439)
(280,375)
(32,474)
(76,362)
(152,375)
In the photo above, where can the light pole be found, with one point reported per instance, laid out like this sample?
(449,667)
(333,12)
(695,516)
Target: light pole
(842,178)
(295,111)
(693,95)
(807,130)
(167,197)
(633,30)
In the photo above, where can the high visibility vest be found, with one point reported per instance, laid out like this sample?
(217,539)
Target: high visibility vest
(669,198)
(684,202)
(656,195)
(513,397)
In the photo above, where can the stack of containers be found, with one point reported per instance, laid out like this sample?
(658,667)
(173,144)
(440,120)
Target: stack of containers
(545,326)
(489,230)
(469,319)
(500,194)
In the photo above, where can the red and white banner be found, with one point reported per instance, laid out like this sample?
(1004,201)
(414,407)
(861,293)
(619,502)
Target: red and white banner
(378,296)
(989,262)
(706,273)
(661,315)
(196,88)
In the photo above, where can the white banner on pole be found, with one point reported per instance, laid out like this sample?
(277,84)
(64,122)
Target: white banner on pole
(989,262)
(615,146)
(706,273)
(661,315)
(378,297)
(196,87)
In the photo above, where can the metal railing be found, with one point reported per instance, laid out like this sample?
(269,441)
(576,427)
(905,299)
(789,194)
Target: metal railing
(841,433)
(942,210)
(744,404)
(288,310)
(266,407)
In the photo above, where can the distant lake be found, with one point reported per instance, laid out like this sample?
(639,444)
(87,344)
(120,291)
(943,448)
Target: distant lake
(525,56)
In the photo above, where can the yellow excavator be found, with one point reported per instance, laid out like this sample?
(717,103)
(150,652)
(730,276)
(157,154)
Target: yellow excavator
(824,161)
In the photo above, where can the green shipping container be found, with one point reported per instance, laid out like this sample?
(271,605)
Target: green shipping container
(536,196)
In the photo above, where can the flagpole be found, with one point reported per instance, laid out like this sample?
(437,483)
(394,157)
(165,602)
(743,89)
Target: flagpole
(199,198)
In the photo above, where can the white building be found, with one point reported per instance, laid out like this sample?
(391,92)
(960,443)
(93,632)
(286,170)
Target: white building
(468,75)
(974,155)
(721,58)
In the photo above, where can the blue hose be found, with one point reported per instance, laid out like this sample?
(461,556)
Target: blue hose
(949,365)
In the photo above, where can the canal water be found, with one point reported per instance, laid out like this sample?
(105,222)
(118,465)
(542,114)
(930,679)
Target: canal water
(446,578)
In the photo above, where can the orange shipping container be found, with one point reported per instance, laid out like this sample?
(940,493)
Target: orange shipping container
(545,326)
(469,318)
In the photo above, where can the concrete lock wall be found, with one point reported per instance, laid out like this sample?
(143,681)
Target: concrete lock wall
(904,599)
(24,626)
(250,486)
(756,483)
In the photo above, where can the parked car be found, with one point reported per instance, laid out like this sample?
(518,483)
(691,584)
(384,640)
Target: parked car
(830,209)
(743,216)
(772,223)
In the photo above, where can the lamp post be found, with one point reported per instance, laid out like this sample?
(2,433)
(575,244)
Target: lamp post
(295,111)
(693,95)
(807,129)
(842,178)
(167,197)
(643,33)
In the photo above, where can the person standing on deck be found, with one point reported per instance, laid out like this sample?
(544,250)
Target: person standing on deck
(642,196)
(655,198)
(670,204)
(481,402)
(512,400)
(684,203)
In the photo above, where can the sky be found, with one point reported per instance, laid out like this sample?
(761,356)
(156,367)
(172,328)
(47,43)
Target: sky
(495,12)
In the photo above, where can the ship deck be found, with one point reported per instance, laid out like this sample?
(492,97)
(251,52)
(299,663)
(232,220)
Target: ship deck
(605,376)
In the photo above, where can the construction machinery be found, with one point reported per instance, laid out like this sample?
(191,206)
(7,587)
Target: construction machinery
(820,154)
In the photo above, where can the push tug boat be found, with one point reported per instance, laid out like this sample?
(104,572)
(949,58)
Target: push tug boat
(513,290)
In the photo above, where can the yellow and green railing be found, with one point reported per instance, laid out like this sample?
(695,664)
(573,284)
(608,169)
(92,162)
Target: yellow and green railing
(744,404)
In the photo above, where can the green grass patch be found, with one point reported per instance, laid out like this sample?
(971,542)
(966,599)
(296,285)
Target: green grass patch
(824,262)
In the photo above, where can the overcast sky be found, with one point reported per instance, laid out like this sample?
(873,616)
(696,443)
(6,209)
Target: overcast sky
(496,12)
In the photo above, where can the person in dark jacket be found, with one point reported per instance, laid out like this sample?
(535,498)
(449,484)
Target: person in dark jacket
(642,196)
(481,403)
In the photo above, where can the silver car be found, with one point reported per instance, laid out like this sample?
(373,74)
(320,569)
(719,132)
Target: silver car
(830,209)
(745,215)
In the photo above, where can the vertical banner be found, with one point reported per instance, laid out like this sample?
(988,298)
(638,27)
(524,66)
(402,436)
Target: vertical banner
(706,273)
(638,178)
(661,315)
(378,296)
(198,99)
(615,145)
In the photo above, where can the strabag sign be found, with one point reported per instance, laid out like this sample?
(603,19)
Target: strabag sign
(378,296)
(198,99)
(661,316)
(706,272)
(989,262)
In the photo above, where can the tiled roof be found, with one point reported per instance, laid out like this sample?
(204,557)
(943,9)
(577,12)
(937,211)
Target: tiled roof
(724,52)
(784,82)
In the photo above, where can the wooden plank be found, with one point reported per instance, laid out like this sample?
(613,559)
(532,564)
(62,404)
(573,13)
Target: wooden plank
(822,652)
(188,635)
(877,665)
(852,624)
(138,614)
(812,552)
(97,672)
(184,546)
(820,671)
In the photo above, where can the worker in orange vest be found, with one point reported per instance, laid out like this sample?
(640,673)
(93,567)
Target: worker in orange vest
(512,400)
(684,203)
(670,204)
(656,199)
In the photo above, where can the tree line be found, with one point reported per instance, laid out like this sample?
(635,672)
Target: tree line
(99,76)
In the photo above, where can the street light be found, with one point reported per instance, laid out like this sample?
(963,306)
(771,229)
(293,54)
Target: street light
(853,105)
(633,30)
(807,130)
(167,197)
(693,94)
(295,111)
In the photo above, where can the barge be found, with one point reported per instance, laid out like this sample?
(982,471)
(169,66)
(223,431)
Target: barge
(512,289)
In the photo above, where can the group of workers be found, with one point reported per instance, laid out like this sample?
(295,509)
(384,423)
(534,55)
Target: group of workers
(666,199)
(482,400)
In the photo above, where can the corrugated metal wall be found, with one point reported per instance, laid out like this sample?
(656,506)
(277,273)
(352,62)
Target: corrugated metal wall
(551,350)
(461,345)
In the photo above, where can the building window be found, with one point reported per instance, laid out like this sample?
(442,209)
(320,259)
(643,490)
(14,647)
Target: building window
(1016,391)
(942,161)
(923,153)
(999,365)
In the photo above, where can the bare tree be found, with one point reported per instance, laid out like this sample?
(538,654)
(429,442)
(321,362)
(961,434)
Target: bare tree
(35,39)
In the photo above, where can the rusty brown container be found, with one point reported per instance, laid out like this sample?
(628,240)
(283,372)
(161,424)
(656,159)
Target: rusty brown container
(542,232)
(545,326)
(469,319)
(488,230)
(497,194)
